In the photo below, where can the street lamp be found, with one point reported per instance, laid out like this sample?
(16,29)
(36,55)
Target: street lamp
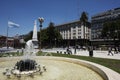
(41,20)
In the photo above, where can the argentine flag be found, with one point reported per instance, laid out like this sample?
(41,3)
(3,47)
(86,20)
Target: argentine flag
(12,24)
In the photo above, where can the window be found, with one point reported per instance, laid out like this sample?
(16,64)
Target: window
(79,37)
(79,32)
(74,30)
(74,37)
(74,33)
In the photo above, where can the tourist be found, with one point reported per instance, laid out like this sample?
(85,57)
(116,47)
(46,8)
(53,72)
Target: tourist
(75,50)
(69,51)
(116,50)
(22,50)
(90,49)
(110,51)
(119,49)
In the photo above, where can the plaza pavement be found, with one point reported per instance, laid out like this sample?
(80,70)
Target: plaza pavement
(96,53)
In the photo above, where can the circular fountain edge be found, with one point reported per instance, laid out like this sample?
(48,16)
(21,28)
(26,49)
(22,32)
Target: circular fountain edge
(104,72)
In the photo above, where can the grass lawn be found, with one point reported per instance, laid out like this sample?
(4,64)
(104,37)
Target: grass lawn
(110,63)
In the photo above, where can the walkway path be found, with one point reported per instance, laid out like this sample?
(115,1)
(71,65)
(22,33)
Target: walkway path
(96,53)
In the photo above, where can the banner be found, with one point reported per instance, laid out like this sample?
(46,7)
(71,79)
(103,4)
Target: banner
(12,24)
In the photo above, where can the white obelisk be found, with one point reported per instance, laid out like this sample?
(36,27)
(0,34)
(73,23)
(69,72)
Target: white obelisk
(34,37)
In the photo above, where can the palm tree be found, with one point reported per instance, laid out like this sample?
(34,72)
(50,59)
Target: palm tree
(84,20)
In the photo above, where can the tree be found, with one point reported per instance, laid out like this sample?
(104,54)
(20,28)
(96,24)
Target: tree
(84,18)
(28,36)
(53,34)
(118,29)
(111,30)
(44,36)
(48,37)
(84,21)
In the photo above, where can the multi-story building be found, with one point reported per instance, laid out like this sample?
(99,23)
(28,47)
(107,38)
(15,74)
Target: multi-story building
(2,41)
(99,19)
(74,30)
(11,42)
(97,23)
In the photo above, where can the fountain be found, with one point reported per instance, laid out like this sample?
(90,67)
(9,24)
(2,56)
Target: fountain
(29,49)
(27,65)
(57,69)
(30,67)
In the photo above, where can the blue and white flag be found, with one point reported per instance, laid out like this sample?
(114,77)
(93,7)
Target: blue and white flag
(12,24)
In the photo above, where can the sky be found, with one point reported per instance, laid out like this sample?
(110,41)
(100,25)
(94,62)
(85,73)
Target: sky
(25,12)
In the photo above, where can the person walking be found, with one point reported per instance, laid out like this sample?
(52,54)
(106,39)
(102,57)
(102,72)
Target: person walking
(119,49)
(90,49)
(69,51)
(110,51)
(75,50)
(116,50)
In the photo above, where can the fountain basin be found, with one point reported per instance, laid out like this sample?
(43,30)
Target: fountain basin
(58,68)
(26,65)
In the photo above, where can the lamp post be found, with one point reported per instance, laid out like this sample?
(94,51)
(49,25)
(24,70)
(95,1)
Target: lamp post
(41,20)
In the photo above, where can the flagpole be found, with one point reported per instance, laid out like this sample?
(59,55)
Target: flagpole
(10,24)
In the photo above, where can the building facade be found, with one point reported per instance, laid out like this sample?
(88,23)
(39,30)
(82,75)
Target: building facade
(99,19)
(11,42)
(74,32)
(2,41)
(97,24)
